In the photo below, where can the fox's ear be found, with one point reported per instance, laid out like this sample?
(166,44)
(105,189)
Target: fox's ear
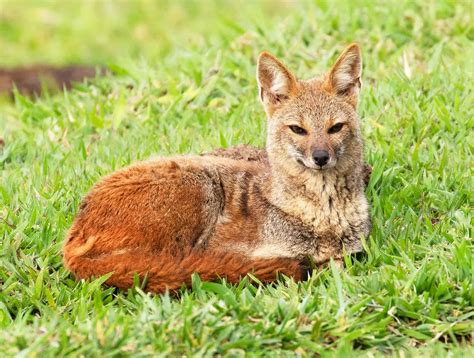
(275,82)
(344,77)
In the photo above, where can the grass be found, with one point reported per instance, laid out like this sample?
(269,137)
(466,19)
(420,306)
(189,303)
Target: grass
(186,84)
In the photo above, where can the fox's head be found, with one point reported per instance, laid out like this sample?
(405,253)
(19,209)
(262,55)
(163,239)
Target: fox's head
(312,124)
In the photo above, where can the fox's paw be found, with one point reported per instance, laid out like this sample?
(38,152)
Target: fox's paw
(367,172)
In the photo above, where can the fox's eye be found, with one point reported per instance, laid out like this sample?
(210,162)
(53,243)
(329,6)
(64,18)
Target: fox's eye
(298,130)
(335,128)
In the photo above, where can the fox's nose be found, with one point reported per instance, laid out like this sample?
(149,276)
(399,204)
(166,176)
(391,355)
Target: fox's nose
(321,157)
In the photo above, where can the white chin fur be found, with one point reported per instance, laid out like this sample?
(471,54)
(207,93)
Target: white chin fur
(313,166)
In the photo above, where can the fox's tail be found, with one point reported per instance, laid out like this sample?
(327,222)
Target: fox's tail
(169,272)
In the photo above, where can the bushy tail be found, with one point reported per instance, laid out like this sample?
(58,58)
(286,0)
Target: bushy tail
(166,271)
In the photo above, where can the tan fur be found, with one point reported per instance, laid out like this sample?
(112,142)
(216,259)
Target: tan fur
(242,210)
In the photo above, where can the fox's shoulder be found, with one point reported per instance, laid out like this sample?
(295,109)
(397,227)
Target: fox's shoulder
(240,152)
(158,166)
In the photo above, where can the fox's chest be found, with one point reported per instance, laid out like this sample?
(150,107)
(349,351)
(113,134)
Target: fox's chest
(320,230)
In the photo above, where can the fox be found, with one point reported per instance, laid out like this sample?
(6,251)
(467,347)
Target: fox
(297,204)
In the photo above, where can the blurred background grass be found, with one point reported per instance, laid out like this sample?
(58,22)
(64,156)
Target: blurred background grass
(101,31)
(185,82)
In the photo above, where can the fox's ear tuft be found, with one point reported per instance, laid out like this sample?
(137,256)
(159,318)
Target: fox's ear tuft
(276,83)
(344,77)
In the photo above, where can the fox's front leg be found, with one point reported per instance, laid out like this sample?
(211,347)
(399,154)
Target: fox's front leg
(338,263)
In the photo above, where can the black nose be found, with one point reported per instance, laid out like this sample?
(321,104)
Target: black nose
(321,157)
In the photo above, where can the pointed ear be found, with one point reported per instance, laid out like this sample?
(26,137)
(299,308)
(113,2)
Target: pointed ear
(344,78)
(275,82)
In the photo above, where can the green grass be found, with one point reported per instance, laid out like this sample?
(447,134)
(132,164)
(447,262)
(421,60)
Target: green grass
(186,84)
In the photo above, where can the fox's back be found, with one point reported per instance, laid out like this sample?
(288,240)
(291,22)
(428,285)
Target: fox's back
(161,204)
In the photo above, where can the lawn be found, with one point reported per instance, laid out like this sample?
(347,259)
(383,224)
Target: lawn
(185,83)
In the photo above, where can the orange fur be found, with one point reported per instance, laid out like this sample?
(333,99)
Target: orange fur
(165,271)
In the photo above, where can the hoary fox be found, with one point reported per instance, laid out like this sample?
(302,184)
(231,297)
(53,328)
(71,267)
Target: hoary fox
(223,216)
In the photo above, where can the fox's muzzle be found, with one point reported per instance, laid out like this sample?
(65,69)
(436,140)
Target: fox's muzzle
(321,157)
